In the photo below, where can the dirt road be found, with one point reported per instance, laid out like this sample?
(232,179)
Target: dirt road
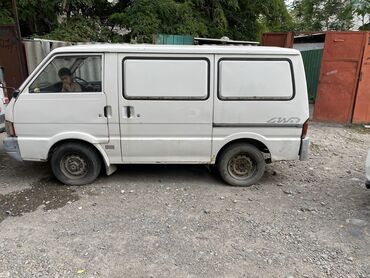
(304,219)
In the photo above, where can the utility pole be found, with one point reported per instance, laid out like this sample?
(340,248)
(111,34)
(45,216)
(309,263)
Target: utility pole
(15,15)
(18,46)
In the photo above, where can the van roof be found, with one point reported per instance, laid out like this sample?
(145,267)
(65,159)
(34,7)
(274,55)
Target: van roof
(178,49)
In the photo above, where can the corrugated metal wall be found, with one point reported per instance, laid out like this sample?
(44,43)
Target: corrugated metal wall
(36,50)
(312,63)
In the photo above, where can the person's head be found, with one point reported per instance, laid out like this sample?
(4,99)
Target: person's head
(65,75)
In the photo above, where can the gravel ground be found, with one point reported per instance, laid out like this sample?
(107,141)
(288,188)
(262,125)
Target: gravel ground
(304,219)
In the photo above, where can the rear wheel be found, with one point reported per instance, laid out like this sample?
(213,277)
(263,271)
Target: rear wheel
(241,165)
(75,163)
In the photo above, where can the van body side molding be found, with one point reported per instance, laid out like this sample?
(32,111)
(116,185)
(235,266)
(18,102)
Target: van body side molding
(256,125)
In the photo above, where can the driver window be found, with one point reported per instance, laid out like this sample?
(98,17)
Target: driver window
(70,74)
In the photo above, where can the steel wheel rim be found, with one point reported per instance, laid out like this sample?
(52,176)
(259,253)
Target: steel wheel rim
(74,166)
(241,166)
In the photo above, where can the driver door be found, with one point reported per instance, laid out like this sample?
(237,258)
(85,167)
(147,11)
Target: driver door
(45,110)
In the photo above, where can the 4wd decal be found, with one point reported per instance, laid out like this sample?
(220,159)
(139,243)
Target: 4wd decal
(284,120)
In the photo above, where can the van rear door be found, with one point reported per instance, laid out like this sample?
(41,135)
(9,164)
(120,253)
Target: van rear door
(166,108)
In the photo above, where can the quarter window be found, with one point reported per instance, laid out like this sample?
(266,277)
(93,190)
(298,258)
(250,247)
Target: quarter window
(70,74)
(253,79)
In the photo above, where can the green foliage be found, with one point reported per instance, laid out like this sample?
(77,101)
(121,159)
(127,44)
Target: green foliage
(102,20)
(238,19)
(39,16)
(144,18)
(362,9)
(276,16)
(321,15)
(5,14)
(80,29)
(81,20)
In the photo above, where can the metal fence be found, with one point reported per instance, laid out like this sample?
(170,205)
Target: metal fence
(36,50)
(173,39)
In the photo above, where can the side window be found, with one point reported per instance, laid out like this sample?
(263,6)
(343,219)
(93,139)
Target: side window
(165,78)
(255,79)
(70,74)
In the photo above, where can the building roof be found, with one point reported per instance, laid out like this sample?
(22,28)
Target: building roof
(309,38)
(177,49)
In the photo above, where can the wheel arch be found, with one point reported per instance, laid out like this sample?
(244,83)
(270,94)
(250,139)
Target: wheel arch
(257,143)
(97,147)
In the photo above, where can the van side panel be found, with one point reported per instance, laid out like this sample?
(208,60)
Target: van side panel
(274,115)
(283,142)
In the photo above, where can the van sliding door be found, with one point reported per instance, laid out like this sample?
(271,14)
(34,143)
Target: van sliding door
(166,108)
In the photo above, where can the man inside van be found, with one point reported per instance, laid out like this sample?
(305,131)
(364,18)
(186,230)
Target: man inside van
(69,84)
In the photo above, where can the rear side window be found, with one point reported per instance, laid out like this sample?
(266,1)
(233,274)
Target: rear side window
(255,79)
(165,78)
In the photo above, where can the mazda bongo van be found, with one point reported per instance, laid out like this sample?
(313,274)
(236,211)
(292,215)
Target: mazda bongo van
(90,107)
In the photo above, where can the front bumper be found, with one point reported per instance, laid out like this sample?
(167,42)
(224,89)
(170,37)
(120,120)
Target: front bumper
(305,147)
(11,148)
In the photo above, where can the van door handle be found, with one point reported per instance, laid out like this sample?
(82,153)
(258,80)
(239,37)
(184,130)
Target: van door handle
(108,111)
(128,112)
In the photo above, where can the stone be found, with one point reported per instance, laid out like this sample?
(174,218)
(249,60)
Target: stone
(357,222)
(288,192)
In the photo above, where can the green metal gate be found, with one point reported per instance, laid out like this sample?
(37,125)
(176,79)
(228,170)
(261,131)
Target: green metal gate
(312,64)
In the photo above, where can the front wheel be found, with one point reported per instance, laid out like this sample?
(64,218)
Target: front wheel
(75,164)
(241,164)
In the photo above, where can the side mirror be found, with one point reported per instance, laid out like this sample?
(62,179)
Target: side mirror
(15,93)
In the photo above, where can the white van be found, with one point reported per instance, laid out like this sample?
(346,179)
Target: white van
(91,106)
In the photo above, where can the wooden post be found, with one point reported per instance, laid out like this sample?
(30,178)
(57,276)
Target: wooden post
(15,15)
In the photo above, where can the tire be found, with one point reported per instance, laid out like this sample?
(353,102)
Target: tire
(241,164)
(75,164)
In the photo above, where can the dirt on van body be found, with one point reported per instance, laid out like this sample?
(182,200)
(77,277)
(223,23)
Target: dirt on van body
(304,219)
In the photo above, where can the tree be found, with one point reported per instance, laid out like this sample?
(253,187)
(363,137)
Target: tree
(38,16)
(80,29)
(5,13)
(362,9)
(238,19)
(322,15)
(144,18)
(82,20)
